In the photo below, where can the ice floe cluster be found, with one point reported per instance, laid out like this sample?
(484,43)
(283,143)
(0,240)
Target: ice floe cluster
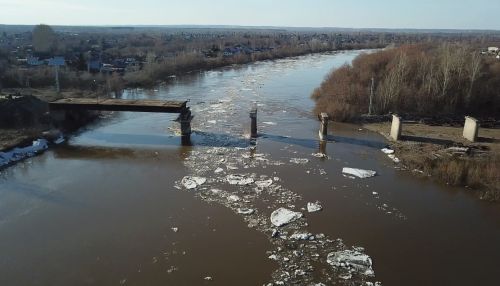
(18,154)
(232,177)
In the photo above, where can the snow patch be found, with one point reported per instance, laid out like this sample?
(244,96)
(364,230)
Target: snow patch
(18,154)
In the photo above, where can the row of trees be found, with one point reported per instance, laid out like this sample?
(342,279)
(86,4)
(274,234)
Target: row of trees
(422,79)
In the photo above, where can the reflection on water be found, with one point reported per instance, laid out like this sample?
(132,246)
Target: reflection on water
(100,210)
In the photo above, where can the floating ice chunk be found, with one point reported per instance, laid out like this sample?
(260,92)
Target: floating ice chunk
(299,160)
(302,236)
(239,180)
(360,173)
(273,257)
(270,123)
(319,155)
(283,216)
(216,191)
(387,151)
(208,278)
(192,182)
(314,207)
(233,198)
(212,121)
(218,170)
(245,211)
(264,184)
(352,260)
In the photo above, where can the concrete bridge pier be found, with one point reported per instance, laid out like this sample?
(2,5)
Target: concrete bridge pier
(323,129)
(253,127)
(396,127)
(471,129)
(185,118)
(322,147)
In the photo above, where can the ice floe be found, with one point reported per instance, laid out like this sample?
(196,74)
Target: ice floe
(360,173)
(319,155)
(264,184)
(314,207)
(245,211)
(283,216)
(239,180)
(353,260)
(190,182)
(302,236)
(299,160)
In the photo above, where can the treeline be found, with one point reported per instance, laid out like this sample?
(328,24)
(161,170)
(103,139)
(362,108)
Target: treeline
(158,54)
(422,80)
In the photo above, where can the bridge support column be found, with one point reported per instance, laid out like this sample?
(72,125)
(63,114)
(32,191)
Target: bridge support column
(185,120)
(253,127)
(471,129)
(323,129)
(396,127)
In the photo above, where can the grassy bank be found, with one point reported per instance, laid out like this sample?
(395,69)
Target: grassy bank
(440,152)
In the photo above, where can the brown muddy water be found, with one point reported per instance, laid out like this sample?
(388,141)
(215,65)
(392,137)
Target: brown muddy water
(110,207)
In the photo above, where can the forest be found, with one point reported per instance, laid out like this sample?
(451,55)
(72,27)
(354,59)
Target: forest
(429,79)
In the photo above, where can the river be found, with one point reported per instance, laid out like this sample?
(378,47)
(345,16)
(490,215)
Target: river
(111,207)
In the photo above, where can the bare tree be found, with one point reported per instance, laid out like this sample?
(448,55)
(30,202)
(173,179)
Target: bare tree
(474,70)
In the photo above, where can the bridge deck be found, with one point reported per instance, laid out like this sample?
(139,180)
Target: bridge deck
(139,105)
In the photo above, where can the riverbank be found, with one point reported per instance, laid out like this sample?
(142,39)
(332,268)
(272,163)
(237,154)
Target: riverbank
(442,153)
(25,118)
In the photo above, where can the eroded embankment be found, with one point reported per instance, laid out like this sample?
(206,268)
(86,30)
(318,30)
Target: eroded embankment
(27,128)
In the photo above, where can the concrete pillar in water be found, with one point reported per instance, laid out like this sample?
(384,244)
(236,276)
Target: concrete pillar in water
(471,129)
(185,120)
(322,147)
(323,130)
(253,127)
(396,127)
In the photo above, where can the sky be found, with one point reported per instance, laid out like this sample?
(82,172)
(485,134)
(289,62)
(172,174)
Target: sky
(418,14)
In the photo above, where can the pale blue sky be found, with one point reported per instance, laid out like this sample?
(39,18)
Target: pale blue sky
(426,14)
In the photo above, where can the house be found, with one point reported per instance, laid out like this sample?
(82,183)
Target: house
(493,50)
(34,61)
(228,52)
(56,61)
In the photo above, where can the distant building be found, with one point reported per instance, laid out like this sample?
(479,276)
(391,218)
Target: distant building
(56,61)
(34,61)
(493,50)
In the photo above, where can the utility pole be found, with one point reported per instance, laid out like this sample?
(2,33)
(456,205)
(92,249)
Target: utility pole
(370,108)
(58,89)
